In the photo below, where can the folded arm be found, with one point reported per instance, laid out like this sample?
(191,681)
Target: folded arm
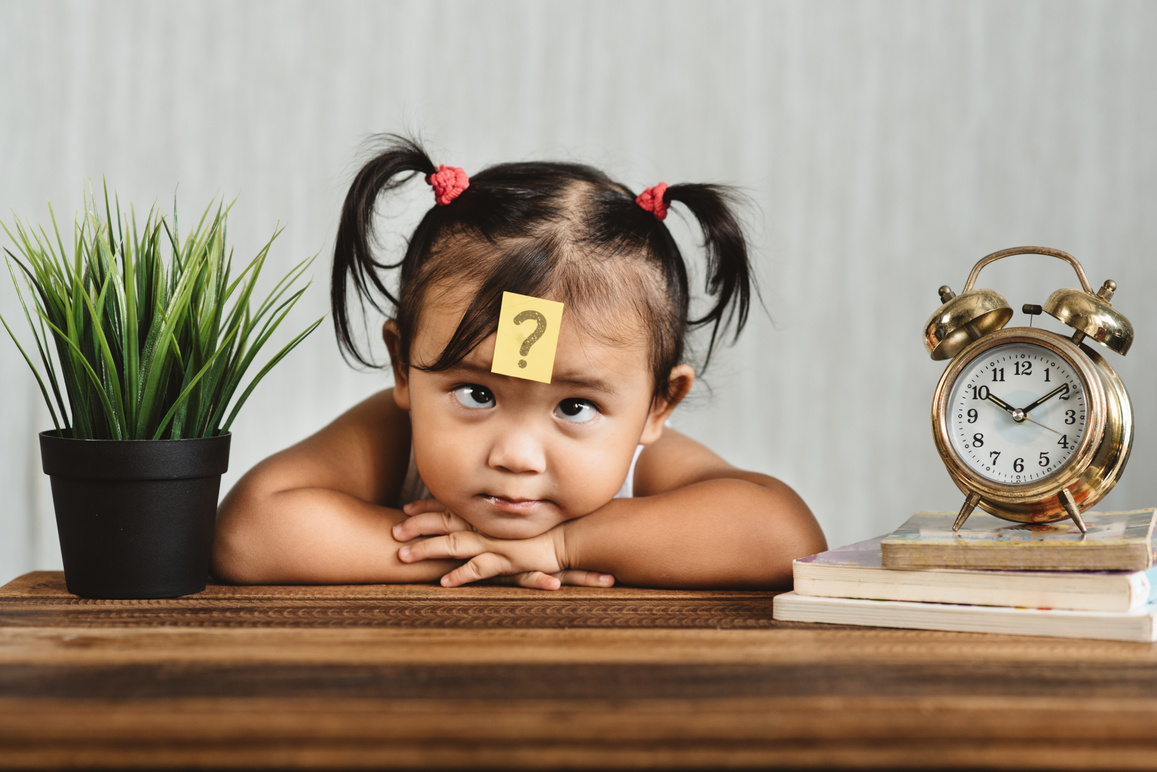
(315,513)
(695,522)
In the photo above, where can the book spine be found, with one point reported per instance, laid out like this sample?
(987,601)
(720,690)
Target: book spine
(1100,593)
(1128,626)
(1009,558)
(1146,587)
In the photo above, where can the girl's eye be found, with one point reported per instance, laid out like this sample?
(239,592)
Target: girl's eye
(576,410)
(474,396)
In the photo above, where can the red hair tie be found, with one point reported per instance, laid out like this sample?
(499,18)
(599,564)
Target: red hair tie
(448,183)
(651,199)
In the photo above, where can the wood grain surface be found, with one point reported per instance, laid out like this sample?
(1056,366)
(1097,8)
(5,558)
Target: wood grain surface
(504,678)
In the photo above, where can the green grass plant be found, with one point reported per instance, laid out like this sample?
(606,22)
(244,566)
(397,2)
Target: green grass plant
(142,334)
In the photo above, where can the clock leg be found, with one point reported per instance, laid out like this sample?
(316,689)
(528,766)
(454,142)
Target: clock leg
(1070,505)
(969,505)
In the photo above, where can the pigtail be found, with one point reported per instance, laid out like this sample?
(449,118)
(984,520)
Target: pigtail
(392,167)
(729,277)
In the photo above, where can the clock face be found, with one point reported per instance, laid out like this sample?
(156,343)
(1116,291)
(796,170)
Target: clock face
(1016,413)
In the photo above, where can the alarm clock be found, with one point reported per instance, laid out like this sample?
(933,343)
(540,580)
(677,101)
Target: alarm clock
(1033,426)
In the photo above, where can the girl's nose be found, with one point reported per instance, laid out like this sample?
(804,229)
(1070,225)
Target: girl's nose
(518,451)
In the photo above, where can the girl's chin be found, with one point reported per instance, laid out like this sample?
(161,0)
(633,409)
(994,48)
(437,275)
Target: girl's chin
(505,529)
(506,519)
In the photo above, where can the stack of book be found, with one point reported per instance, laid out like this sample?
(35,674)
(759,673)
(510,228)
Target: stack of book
(992,576)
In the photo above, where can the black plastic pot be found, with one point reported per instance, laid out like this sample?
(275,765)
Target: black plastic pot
(135,517)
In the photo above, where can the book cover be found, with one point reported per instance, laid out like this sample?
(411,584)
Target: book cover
(1135,625)
(857,571)
(1115,541)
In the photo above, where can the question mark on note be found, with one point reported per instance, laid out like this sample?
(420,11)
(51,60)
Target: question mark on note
(532,338)
(512,346)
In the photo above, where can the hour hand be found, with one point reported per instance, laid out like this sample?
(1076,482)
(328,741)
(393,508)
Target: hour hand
(1064,387)
(1011,410)
(1017,414)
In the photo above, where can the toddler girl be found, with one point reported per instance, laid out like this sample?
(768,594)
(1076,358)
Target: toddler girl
(463,473)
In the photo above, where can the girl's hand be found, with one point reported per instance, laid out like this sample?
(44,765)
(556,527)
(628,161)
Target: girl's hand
(428,517)
(532,563)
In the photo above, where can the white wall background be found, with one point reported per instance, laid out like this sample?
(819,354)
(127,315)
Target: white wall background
(887,146)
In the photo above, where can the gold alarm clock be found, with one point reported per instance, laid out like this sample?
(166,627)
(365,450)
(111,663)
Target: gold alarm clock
(1033,426)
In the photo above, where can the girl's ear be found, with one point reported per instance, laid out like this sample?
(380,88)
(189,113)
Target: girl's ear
(393,339)
(679,384)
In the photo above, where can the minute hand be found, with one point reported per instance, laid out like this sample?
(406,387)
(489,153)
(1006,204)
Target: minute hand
(1047,397)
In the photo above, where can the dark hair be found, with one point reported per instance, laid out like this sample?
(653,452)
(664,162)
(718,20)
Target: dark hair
(536,228)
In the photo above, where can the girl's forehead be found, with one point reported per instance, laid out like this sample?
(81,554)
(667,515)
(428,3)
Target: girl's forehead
(445,305)
(614,320)
(580,362)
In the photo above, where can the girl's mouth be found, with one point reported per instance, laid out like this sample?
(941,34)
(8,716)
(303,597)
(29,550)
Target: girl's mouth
(512,506)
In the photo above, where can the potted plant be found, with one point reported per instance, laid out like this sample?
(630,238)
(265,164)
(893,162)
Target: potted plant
(144,340)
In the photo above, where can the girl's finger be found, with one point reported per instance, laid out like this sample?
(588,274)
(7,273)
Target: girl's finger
(526,580)
(423,505)
(476,569)
(429,524)
(460,544)
(537,580)
(580,578)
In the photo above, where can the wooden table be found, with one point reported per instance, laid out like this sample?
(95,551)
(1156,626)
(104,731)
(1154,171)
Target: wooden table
(504,678)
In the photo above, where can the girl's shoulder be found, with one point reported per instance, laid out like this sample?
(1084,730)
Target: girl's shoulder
(676,461)
(363,452)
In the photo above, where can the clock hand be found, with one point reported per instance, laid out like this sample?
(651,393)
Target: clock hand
(1011,410)
(1038,423)
(1047,397)
(1020,415)
(1017,414)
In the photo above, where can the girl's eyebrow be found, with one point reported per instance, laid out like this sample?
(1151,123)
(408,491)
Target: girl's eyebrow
(592,383)
(467,367)
(573,380)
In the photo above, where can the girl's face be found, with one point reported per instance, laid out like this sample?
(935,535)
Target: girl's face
(513,457)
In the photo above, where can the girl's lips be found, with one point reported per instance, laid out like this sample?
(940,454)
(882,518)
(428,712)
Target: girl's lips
(512,506)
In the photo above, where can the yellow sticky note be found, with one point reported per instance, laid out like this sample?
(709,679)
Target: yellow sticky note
(527,337)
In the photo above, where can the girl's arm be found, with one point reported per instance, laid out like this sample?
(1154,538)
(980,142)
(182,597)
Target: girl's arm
(695,522)
(314,513)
